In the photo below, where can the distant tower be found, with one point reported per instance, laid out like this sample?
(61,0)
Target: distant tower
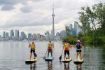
(53,19)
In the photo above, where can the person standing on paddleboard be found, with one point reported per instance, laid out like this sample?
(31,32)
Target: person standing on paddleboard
(66,47)
(32,50)
(50,48)
(78,47)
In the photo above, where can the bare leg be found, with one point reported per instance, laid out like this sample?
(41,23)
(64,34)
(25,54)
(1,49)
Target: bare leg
(80,55)
(68,54)
(34,54)
(64,55)
(77,55)
(48,54)
(30,55)
(51,53)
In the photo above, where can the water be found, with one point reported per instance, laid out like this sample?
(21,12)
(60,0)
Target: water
(14,54)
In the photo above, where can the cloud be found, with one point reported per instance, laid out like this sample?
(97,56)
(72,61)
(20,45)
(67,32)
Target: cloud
(7,7)
(36,14)
(9,4)
(26,9)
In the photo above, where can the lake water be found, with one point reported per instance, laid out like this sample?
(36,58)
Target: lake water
(13,56)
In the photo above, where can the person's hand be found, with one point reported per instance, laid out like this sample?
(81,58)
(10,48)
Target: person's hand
(29,45)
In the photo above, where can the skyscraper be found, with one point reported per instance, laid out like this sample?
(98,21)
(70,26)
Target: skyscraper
(11,34)
(77,28)
(17,34)
(34,37)
(23,36)
(4,34)
(30,36)
(47,35)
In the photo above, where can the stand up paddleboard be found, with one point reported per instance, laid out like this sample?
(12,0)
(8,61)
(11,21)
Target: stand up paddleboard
(33,60)
(49,58)
(66,60)
(78,61)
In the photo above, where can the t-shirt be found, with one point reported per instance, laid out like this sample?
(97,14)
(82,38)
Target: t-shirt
(50,46)
(66,46)
(32,46)
(78,46)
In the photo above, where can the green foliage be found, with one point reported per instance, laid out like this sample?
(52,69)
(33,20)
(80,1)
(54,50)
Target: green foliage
(87,39)
(97,41)
(70,39)
(93,24)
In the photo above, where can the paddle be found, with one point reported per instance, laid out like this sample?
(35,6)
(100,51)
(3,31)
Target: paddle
(45,55)
(60,57)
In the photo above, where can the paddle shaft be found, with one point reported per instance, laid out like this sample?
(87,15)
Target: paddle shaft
(60,57)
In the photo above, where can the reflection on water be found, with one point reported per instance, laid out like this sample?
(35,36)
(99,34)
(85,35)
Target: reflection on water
(79,67)
(50,65)
(93,57)
(66,66)
(14,54)
(33,66)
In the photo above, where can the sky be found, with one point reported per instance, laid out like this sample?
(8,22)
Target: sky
(35,16)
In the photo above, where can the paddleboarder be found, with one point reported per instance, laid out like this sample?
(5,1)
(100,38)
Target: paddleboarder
(50,48)
(32,49)
(78,47)
(66,47)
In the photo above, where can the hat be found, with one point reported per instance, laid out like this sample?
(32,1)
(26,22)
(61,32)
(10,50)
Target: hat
(78,40)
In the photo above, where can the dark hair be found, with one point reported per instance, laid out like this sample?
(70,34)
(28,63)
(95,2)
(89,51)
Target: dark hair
(64,41)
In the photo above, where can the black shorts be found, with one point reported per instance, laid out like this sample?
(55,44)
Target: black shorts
(78,50)
(66,52)
(32,50)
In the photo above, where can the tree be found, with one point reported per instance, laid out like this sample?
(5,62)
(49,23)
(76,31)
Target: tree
(93,21)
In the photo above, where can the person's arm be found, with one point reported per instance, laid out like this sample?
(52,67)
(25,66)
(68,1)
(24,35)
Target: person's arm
(81,45)
(63,46)
(70,46)
(52,45)
(29,45)
(35,46)
(48,45)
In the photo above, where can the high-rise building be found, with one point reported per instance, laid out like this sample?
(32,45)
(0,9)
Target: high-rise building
(23,36)
(38,36)
(30,36)
(47,35)
(71,27)
(77,28)
(34,37)
(57,37)
(63,34)
(7,35)
(17,34)
(4,34)
(11,34)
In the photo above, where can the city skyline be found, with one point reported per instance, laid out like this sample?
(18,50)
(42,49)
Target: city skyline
(71,29)
(35,15)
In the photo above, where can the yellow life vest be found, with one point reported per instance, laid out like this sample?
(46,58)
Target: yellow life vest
(32,46)
(66,46)
(50,46)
